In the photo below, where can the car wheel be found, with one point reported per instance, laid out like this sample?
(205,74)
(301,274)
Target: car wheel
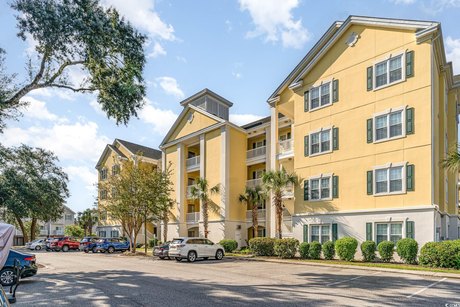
(7,277)
(178,259)
(38,247)
(219,254)
(86,250)
(191,257)
(161,257)
(94,250)
(111,250)
(65,248)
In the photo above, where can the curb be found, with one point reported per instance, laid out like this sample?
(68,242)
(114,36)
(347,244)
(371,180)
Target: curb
(350,267)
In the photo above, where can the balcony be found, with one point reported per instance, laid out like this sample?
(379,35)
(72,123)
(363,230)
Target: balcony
(288,192)
(254,182)
(286,149)
(192,164)
(260,215)
(189,191)
(193,217)
(256,155)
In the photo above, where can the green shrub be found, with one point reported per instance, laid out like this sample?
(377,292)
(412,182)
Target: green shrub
(315,250)
(386,250)
(346,248)
(303,250)
(368,249)
(328,250)
(262,246)
(444,254)
(229,245)
(153,242)
(407,250)
(286,248)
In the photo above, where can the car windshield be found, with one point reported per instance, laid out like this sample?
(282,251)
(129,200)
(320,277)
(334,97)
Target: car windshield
(177,241)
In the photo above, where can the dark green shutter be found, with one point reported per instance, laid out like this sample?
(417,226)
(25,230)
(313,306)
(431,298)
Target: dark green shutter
(335,90)
(305,146)
(410,172)
(369,78)
(335,186)
(410,229)
(409,64)
(305,190)
(410,121)
(305,233)
(334,233)
(305,101)
(370,137)
(369,231)
(369,182)
(335,138)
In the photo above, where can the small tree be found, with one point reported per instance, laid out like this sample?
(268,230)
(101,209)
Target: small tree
(202,192)
(252,198)
(86,220)
(276,182)
(74,231)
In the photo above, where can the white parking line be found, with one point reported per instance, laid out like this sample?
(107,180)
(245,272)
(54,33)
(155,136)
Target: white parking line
(427,287)
(347,280)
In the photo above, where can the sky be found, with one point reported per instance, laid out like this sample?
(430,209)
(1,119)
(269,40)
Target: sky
(240,49)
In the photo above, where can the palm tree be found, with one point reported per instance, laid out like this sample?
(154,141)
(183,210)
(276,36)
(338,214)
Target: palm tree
(275,182)
(452,161)
(202,192)
(87,219)
(252,198)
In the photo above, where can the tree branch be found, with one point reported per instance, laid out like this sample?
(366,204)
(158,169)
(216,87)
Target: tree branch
(61,69)
(78,89)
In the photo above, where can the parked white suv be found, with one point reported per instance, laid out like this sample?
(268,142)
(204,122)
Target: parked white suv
(193,248)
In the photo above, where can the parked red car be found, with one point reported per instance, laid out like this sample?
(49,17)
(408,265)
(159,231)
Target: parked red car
(65,244)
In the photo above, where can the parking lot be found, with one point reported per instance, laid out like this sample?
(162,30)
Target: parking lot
(78,279)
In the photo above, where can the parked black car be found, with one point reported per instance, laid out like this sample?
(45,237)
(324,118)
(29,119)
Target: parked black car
(162,251)
(28,267)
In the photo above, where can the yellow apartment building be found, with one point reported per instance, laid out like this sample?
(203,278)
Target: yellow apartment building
(110,164)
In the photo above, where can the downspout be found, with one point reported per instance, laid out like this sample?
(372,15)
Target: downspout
(432,136)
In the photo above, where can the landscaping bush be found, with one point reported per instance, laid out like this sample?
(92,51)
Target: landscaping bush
(368,249)
(153,242)
(386,250)
(407,250)
(303,250)
(229,245)
(262,246)
(286,248)
(346,248)
(444,254)
(328,250)
(315,250)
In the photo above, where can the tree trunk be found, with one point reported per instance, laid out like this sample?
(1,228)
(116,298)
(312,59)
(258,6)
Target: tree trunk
(255,223)
(23,228)
(165,227)
(279,214)
(33,225)
(205,218)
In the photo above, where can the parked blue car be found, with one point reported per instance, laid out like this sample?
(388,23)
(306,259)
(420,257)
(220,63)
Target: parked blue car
(28,267)
(111,245)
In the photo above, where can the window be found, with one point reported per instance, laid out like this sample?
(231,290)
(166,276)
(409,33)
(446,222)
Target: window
(115,169)
(389,232)
(389,180)
(320,142)
(103,194)
(389,126)
(114,234)
(320,188)
(320,96)
(102,233)
(103,215)
(389,71)
(69,217)
(320,233)
(103,174)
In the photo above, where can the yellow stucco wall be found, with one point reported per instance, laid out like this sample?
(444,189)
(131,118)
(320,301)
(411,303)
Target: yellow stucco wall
(213,169)
(237,169)
(186,127)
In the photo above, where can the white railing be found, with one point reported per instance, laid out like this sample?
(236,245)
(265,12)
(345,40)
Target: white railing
(288,192)
(192,163)
(256,152)
(57,232)
(260,214)
(193,217)
(286,146)
(254,182)
(189,191)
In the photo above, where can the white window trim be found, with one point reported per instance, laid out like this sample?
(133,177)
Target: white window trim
(387,58)
(310,109)
(387,166)
(320,228)
(387,112)
(310,142)
(321,176)
(403,229)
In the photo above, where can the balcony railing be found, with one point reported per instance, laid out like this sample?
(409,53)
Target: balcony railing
(260,215)
(189,191)
(193,217)
(256,152)
(288,192)
(193,164)
(286,147)
(254,182)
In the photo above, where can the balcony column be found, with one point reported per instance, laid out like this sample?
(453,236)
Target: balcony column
(202,168)
(273,167)
(163,161)
(224,173)
(180,185)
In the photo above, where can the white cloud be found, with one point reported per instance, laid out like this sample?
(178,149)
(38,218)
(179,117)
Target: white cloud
(243,119)
(436,6)
(453,53)
(402,1)
(97,107)
(160,119)
(273,19)
(37,109)
(84,174)
(157,51)
(170,86)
